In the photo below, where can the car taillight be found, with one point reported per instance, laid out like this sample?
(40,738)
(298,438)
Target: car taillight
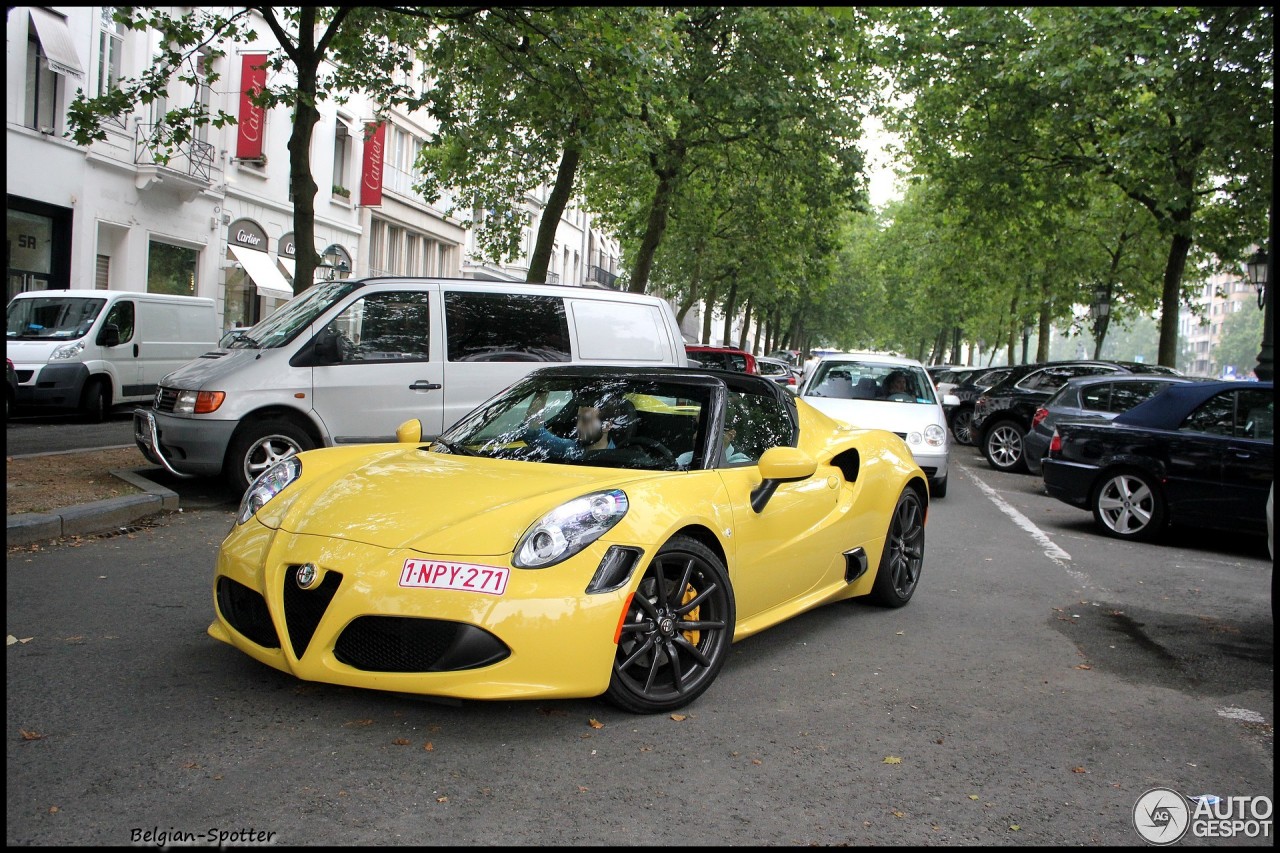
(791,380)
(1041,414)
(1055,443)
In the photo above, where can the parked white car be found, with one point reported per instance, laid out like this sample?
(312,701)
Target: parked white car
(886,392)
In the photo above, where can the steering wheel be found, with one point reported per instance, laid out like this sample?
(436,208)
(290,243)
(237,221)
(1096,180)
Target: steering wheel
(659,449)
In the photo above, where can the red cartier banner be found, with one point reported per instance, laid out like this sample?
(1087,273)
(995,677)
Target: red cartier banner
(371,181)
(253,77)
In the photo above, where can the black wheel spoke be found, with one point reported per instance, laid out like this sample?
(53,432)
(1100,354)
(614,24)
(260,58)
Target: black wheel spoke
(694,651)
(673,658)
(695,601)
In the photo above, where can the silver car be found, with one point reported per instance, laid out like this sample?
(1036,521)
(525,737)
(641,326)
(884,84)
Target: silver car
(886,392)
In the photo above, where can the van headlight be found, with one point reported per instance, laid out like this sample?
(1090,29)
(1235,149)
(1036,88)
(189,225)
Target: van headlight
(197,402)
(569,528)
(270,483)
(66,351)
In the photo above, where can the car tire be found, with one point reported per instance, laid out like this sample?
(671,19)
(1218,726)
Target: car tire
(938,488)
(677,630)
(95,402)
(962,426)
(1003,444)
(903,555)
(1129,505)
(258,445)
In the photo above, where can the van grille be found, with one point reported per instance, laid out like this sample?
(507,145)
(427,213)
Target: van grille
(165,399)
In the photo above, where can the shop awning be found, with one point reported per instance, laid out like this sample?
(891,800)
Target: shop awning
(287,265)
(55,41)
(266,276)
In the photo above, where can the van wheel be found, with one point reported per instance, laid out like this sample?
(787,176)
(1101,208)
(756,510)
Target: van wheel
(96,402)
(259,445)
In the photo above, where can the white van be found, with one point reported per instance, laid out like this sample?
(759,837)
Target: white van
(349,361)
(87,350)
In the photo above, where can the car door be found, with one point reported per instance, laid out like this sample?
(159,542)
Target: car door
(1249,456)
(387,371)
(793,546)
(1195,454)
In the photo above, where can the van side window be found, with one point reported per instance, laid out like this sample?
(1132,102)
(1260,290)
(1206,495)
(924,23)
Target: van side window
(393,326)
(121,314)
(506,327)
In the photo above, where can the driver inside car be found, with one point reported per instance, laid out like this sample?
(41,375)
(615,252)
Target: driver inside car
(593,428)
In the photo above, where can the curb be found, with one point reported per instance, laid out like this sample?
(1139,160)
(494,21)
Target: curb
(95,516)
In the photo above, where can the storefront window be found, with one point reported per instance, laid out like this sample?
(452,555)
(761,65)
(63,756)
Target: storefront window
(171,269)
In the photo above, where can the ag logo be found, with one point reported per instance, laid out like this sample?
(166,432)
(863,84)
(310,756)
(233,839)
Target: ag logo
(1161,816)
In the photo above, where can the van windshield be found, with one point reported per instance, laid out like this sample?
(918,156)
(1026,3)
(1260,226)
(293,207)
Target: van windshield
(292,317)
(51,318)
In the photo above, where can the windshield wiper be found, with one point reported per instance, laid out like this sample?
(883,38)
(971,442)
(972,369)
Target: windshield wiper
(456,448)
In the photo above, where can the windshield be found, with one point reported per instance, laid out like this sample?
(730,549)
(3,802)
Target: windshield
(604,421)
(291,318)
(868,380)
(51,317)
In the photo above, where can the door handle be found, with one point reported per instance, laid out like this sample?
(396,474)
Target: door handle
(424,385)
(135,350)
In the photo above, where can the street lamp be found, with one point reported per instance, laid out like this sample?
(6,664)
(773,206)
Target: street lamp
(333,259)
(1026,337)
(1100,309)
(1258,270)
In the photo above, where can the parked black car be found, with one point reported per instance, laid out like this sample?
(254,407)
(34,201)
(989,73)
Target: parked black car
(960,418)
(1197,453)
(1090,398)
(1002,414)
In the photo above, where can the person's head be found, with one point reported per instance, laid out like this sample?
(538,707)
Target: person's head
(896,382)
(612,414)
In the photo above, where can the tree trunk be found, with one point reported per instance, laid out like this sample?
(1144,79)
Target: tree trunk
(301,184)
(557,201)
(659,210)
(708,306)
(1171,297)
(730,308)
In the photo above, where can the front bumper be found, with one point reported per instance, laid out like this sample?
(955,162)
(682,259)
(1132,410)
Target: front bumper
(933,462)
(52,386)
(188,445)
(544,636)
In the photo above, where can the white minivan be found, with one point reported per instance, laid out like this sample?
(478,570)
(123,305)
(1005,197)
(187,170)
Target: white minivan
(87,350)
(348,361)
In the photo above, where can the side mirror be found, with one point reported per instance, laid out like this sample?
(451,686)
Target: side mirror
(325,347)
(950,401)
(409,432)
(780,465)
(109,336)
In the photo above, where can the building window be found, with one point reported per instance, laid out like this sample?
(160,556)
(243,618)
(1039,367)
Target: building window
(203,95)
(110,47)
(102,273)
(341,155)
(171,269)
(42,88)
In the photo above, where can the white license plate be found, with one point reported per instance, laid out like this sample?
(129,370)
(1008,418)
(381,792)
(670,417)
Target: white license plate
(469,577)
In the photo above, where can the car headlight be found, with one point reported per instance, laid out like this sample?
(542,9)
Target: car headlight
(270,483)
(569,528)
(197,402)
(67,351)
(935,436)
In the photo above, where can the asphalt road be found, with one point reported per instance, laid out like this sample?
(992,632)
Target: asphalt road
(1043,678)
(27,433)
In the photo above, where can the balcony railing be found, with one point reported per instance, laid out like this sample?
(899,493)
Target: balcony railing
(602,276)
(193,158)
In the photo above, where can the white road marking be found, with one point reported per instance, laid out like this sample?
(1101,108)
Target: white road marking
(1051,549)
(1242,714)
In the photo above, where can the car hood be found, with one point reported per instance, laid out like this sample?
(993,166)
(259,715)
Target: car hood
(212,367)
(435,503)
(880,414)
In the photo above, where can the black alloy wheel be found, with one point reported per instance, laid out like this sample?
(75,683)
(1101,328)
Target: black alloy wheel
(677,631)
(962,426)
(903,555)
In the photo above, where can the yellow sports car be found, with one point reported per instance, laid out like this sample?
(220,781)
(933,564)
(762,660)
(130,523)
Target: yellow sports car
(588,531)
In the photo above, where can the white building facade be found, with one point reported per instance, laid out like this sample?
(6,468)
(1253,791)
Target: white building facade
(216,219)
(1221,295)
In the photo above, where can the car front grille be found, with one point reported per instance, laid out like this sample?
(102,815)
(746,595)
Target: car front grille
(246,611)
(304,607)
(165,399)
(407,644)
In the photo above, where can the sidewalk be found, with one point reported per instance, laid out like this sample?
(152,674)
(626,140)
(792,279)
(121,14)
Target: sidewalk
(95,516)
